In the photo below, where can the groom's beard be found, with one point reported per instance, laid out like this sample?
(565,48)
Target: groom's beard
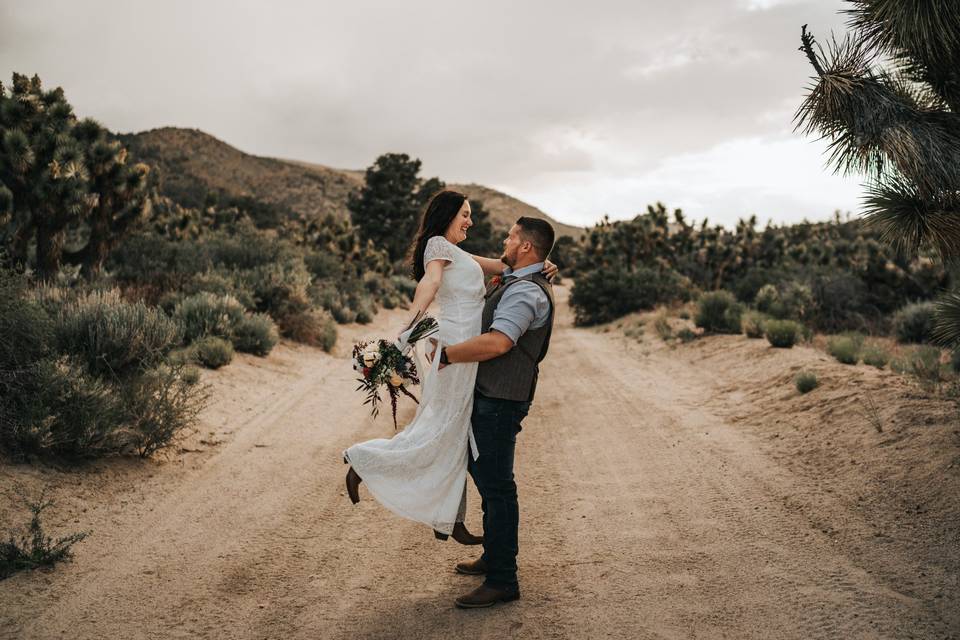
(507,260)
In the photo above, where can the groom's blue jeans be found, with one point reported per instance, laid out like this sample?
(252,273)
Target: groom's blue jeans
(496,424)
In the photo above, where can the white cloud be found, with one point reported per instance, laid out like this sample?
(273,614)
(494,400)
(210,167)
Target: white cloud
(778,178)
(585,108)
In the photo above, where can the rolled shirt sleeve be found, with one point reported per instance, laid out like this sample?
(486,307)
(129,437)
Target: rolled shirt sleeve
(523,306)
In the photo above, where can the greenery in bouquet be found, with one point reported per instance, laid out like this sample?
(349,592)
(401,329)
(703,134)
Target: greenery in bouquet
(384,364)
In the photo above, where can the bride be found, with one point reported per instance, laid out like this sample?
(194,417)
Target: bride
(421,472)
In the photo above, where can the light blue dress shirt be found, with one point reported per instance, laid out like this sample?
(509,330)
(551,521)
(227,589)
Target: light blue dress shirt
(523,306)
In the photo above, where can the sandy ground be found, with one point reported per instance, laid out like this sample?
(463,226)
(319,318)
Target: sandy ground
(665,492)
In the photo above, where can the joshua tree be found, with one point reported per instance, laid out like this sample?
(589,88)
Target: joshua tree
(43,176)
(57,173)
(121,191)
(887,97)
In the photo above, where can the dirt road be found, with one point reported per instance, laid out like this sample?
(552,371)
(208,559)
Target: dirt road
(644,514)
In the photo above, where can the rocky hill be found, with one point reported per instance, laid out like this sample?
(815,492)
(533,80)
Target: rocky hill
(193,163)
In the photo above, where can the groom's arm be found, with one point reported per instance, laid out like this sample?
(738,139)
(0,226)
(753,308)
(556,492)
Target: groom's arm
(522,306)
(485,346)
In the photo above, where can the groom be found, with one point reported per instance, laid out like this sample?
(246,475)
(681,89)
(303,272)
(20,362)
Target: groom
(516,327)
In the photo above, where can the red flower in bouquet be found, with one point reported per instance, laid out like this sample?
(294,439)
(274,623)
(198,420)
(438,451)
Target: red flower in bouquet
(495,281)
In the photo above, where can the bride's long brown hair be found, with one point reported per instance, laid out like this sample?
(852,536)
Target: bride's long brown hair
(437,216)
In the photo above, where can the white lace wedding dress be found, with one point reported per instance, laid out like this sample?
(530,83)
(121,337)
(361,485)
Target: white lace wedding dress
(421,472)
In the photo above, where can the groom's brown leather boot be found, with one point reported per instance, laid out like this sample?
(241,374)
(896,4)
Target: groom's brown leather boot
(484,596)
(472,568)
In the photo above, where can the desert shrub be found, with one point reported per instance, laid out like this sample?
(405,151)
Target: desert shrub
(914,322)
(662,326)
(113,336)
(718,312)
(684,314)
(314,327)
(781,333)
(845,349)
(924,364)
(35,548)
(791,300)
(190,374)
(323,264)
(163,263)
(806,381)
(404,285)
(365,312)
(327,295)
(840,303)
(218,282)
(686,334)
(279,288)
(752,324)
(214,352)
(766,298)
(603,295)
(875,356)
(206,314)
(163,402)
(955,361)
(255,333)
(67,412)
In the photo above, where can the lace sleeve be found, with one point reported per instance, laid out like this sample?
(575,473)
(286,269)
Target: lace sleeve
(438,248)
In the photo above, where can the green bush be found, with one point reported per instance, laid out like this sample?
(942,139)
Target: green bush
(603,295)
(207,314)
(845,349)
(255,333)
(782,333)
(68,413)
(662,326)
(279,288)
(789,301)
(34,548)
(924,364)
(767,298)
(718,312)
(686,334)
(220,283)
(114,337)
(314,327)
(752,324)
(214,352)
(165,401)
(876,356)
(955,361)
(806,381)
(914,322)
(190,374)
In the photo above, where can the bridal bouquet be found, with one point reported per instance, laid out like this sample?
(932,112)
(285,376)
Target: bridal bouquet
(384,364)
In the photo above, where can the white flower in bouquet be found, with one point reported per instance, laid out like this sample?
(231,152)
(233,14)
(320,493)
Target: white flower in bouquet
(371,355)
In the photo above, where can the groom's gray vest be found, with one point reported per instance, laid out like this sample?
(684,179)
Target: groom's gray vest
(513,376)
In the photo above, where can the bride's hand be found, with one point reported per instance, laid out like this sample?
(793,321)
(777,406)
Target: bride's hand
(549,270)
(433,352)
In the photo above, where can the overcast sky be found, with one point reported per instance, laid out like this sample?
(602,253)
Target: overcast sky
(580,108)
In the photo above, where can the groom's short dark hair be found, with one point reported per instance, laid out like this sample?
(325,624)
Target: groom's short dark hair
(539,233)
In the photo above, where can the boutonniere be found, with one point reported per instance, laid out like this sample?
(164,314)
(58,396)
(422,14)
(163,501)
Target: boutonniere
(495,281)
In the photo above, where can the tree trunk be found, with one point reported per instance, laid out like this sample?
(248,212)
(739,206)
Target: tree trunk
(49,252)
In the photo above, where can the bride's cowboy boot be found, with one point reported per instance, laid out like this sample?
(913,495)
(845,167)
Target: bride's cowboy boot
(353,485)
(460,534)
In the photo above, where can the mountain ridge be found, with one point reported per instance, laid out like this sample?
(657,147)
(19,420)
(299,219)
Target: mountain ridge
(193,162)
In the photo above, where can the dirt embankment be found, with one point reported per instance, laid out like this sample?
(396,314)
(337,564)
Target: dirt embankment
(665,493)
